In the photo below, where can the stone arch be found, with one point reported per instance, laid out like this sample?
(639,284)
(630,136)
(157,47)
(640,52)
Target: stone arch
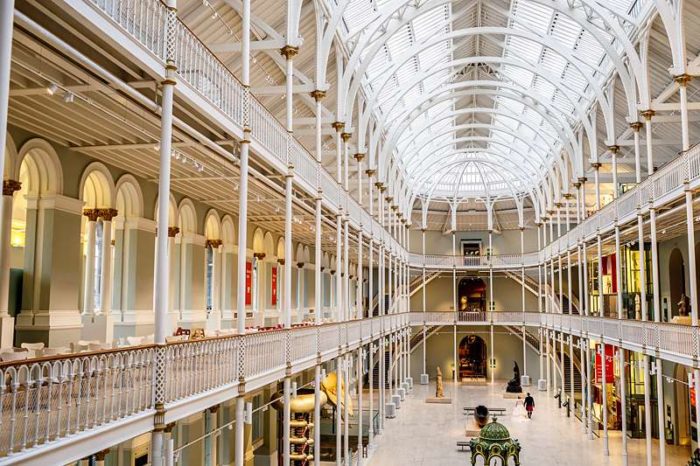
(212,225)
(173,214)
(11,170)
(129,198)
(228,230)
(97,187)
(42,168)
(268,245)
(280,248)
(258,241)
(299,257)
(187,217)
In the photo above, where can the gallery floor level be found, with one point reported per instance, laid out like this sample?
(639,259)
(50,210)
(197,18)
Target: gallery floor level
(300,232)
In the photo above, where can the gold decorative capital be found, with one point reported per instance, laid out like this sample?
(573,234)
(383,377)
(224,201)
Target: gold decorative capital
(615,148)
(359,156)
(682,79)
(9,187)
(213,243)
(107,214)
(92,214)
(318,95)
(338,126)
(289,51)
(173,231)
(648,114)
(346,136)
(636,125)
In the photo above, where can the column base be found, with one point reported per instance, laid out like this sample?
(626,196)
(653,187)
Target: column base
(542,385)
(402,391)
(98,327)
(7,332)
(396,400)
(424,379)
(525,380)
(390,410)
(55,328)
(410,382)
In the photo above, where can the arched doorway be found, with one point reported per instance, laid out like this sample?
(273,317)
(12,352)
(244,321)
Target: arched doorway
(676,279)
(472,358)
(682,406)
(472,295)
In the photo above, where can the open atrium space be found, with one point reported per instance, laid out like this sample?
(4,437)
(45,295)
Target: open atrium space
(350,232)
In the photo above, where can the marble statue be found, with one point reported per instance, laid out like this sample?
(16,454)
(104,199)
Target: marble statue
(514,383)
(439,389)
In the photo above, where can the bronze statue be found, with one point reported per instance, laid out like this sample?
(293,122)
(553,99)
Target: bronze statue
(514,383)
(439,389)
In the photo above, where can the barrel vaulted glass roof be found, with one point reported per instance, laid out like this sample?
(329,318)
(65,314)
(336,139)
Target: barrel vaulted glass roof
(478,98)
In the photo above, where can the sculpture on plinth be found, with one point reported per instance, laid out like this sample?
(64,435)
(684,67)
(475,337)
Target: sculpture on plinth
(514,383)
(439,388)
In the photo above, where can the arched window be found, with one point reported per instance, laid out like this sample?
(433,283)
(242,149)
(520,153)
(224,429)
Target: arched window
(209,275)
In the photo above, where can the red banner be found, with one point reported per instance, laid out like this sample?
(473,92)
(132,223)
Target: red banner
(609,367)
(248,283)
(274,286)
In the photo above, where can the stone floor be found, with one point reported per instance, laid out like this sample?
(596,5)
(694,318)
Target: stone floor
(426,434)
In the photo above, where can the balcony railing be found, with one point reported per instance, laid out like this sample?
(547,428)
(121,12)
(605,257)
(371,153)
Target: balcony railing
(666,182)
(145,21)
(672,341)
(45,399)
(498,261)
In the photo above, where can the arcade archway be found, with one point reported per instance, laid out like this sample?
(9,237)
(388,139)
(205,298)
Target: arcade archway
(472,358)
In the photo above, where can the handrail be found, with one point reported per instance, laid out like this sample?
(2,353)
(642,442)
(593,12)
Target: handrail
(72,393)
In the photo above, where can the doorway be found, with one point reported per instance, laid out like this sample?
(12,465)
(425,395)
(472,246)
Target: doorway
(472,358)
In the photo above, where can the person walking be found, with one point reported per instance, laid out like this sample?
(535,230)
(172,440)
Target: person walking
(529,405)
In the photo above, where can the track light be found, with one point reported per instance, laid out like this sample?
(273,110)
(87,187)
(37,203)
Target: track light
(52,89)
(69,97)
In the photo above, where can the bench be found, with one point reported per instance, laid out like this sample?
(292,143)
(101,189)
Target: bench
(499,411)
(463,444)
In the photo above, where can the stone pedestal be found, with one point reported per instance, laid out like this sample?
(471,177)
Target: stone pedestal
(402,391)
(396,400)
(542,385)
(410,382)
(424,379)
(525,380)
(7,331)
(390,410)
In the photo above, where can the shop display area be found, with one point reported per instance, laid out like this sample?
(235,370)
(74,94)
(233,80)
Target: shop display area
(427,434)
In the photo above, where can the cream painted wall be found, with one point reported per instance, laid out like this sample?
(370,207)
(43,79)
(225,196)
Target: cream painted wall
(507,295)
(439,352)
(508,242)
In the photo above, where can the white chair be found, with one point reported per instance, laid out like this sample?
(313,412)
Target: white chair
(134,341)
(53,351)
(33,346)
(14,356)
(97,346)
(82,345)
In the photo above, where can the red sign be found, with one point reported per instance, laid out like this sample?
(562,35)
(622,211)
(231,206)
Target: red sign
(609,368)
(248,283)
(274,286)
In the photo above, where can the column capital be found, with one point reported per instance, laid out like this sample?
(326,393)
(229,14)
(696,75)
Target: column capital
(338,126)
(279,261)
(300,265)
(596,165)
(259,255)
(318,95)
(359,156)
(582,179)
(92,214)
(213,243)
(9,187)
(173,231)
(615,148)
(577,184)
(370,172)
(648,114)
(682,79)
(100,455)
(636,126)
(289,51)
(346,136)
(107,214)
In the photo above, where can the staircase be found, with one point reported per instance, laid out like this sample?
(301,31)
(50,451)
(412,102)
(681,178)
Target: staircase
(531,285)
(417,283)
(567,376)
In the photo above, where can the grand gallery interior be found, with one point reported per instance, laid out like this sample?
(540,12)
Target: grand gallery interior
(349,232)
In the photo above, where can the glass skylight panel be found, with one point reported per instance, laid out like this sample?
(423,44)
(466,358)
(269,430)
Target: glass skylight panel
(523,49)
